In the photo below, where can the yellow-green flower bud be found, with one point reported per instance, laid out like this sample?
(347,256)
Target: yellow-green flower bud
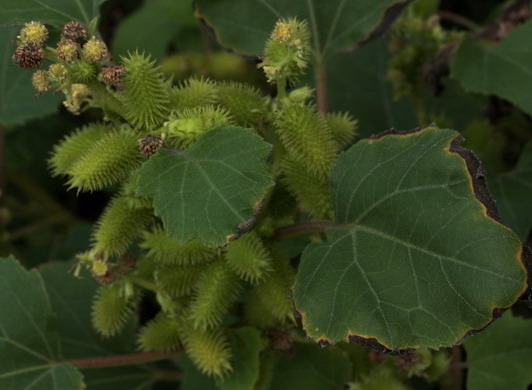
(287,51)
(28,56)
(40,81)
(67,50)
(34,33)
(94,50)
(99,267)
(57,72)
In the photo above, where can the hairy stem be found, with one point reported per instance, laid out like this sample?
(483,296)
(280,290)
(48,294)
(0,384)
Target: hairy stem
(281,88)
(121,360)
(304,228)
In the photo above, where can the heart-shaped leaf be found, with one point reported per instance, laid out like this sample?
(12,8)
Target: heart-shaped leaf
(207,191)
(513,190)
(245,25)
(55,12)
(500,70)
(29,344)
(501,357)
(312,368)
(416,260)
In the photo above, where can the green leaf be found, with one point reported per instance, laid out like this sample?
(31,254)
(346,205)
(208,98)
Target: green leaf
(158,29)
(246,345)
(500,358)
(415,260)
(500,70)
(194,379)
(18,100)
(207,191)
(29,343)
(312,368)
(357,83)
(513,190)
(54,12)
(71,300)
(245,25)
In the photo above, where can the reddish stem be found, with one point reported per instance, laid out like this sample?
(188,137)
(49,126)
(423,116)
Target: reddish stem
(304,227)
(121,360)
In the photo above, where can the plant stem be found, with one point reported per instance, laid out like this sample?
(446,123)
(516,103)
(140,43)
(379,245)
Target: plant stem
(321,86)
(106,99)
(143,283)
(457,367)
(303,228)
(121,360)
(281,88)
(2,162)
(458,19)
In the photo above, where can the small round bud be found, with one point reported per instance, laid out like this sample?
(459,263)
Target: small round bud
(28,56)
(94,50)
(34,33)
(40,81)
(99,267)
(57,72)
(112,75)
(67,50)
(75,32)
(149,145)
(82,71)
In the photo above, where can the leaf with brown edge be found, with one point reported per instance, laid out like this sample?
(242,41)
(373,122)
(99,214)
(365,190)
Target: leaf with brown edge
(244,25)
(418,257)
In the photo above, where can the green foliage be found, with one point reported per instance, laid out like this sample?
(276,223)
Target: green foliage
(325,369)
(246,224)
(497,69)
(498,362)
(408,257)
(146,93)
(217,188)
(29,346)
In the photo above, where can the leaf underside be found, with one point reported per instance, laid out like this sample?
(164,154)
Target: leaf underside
(415,260)
(206,192)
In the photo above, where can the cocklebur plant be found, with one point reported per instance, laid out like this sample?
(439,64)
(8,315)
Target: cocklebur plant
(210,177)
(197,284)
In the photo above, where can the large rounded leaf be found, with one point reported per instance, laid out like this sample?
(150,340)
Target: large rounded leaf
(208,191)
(417,260)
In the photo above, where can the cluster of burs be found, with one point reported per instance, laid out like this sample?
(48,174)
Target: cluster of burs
(203,292)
